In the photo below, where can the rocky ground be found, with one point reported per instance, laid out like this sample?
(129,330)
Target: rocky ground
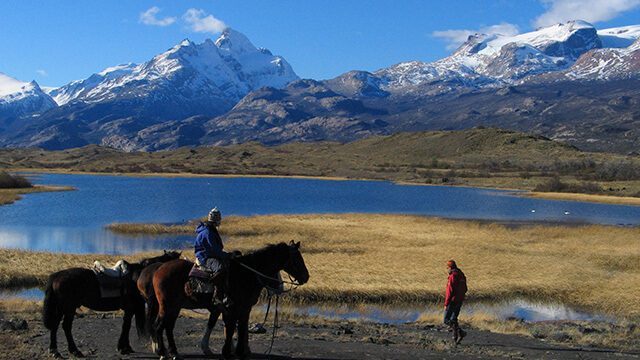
(96,336)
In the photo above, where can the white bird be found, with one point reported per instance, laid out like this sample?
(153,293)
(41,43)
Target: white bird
(566,212)
(533,210)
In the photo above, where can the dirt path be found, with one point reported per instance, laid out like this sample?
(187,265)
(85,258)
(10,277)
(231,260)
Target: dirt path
(96,337)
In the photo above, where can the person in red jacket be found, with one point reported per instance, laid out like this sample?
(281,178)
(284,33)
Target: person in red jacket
(456,289)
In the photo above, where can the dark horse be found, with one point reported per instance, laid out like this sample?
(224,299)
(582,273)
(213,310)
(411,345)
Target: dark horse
(245,286)
(71,288)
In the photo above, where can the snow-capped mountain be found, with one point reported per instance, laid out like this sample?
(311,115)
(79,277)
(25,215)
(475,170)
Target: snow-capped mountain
(620,37)
(607,64)
(221,72)
(81,89)
(19,98)
(550,81)
(497,59)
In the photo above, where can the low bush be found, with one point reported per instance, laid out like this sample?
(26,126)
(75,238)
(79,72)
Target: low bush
(8,181)
(556,185)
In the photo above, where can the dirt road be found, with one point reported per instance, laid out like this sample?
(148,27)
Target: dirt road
(96,336)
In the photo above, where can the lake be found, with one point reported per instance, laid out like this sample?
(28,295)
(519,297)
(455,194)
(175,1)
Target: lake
(74,221)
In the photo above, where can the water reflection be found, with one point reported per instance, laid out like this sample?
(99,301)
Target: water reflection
(519,309)
(513,309)
(85,240)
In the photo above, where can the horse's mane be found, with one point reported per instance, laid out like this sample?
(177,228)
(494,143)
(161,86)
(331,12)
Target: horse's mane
(268,249)
(167,255)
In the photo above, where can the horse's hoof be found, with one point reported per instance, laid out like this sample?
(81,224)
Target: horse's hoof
(207,352)
(126,350)
(77,353)
(54,354)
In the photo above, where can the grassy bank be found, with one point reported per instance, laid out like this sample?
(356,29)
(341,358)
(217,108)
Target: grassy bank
(8,196)
(475,157)
(388,258)
(19,268)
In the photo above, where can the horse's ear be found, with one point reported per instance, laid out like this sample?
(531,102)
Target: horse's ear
(292,243)
(297,245)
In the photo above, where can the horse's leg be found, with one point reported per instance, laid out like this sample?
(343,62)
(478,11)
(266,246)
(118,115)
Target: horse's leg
(214,313)
(66,326)
(124,347)
(53,336)
(152,316)
(242,350)
(230,320)
(158,329)
(169,324)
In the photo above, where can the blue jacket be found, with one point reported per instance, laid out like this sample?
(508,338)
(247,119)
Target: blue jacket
(208,244)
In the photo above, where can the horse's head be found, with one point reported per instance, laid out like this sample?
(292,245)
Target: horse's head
(295,264)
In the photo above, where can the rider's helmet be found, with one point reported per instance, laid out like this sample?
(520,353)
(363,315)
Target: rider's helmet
(214,216)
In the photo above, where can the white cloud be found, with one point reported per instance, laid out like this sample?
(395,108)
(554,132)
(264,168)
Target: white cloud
(149,18)
(455,38)
(587,10)
(199,21)
(42,72)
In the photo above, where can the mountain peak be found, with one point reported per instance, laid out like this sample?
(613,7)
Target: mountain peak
(9,85)
(234,42)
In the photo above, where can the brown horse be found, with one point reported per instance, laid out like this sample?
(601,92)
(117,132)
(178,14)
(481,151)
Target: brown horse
(245,286)
(71,288)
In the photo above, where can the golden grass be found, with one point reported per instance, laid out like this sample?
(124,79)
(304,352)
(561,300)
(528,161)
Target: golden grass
(606,199)
(156,229)
(8,196)
(19,268)
(393,258)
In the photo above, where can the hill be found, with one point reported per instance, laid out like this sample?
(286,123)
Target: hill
(477,157)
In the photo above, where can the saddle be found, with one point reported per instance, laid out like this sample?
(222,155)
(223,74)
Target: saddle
(201,281)
(112,280)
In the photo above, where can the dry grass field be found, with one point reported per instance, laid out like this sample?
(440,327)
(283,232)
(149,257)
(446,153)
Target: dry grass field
(389,258)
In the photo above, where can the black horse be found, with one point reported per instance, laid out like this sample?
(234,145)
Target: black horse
(71,288)
(245,285)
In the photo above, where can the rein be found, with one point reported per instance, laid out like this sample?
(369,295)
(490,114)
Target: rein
(294,284)
(271,292)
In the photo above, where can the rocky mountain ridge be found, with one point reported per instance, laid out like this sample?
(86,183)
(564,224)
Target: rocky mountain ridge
(549,81)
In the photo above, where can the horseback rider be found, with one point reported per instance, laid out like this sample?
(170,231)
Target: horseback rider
(211,256)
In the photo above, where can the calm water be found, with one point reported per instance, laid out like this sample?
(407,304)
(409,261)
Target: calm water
(74,221)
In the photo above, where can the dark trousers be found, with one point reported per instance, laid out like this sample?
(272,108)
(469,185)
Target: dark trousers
(451,313)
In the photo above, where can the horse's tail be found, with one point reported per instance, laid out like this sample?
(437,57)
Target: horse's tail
(50,309)
(151,315)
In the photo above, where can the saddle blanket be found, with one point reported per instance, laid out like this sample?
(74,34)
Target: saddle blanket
(110,286)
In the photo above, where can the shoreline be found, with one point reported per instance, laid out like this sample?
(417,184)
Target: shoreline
(577,197)
(591,198)
(10,196)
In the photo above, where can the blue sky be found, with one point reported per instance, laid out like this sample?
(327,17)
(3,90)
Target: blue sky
(55,42)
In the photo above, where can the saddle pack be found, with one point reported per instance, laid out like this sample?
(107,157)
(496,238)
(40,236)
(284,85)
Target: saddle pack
(112,280)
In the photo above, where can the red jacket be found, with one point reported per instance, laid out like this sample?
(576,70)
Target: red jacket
(456,287)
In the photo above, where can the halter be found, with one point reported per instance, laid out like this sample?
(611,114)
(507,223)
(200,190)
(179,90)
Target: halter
(294,283)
